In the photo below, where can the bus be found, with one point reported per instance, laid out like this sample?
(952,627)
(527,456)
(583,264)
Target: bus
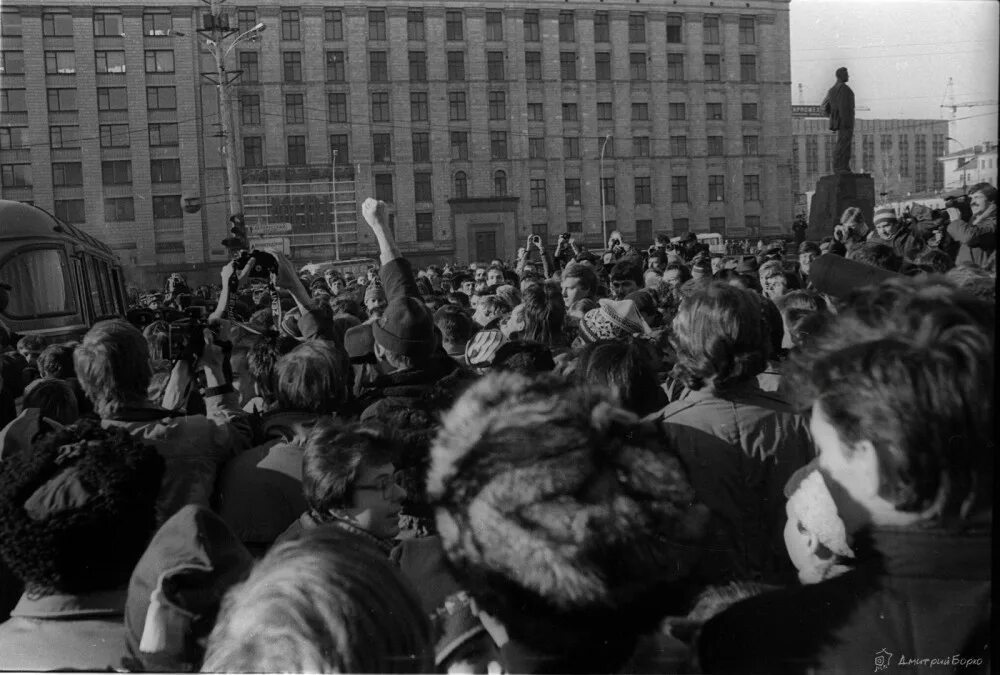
(713,240)
(62,279)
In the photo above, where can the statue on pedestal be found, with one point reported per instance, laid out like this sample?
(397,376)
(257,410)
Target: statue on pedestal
(839,105)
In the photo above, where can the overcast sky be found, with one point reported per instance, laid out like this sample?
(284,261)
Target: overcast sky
(900,54)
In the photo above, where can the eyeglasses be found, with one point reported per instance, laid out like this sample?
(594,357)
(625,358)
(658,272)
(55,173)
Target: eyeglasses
(385,484)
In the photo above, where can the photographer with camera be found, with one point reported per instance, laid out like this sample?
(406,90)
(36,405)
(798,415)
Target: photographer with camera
(113,366)
(976,233)
(853,229)
(534,243)
(566,250)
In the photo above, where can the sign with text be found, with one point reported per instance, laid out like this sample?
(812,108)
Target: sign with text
(808,111)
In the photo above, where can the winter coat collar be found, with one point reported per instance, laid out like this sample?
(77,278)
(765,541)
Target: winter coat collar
(66,606)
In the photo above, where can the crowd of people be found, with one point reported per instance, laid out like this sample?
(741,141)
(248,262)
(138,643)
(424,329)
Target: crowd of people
(669,460)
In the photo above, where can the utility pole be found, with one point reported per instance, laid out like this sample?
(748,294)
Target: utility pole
(604,218)
(215,30)
(333,200)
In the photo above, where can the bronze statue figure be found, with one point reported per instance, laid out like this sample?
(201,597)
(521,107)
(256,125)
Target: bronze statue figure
(839,105)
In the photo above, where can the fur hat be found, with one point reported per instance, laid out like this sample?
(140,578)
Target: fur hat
(77,511)
(884,214)
(562,515)
(406,327)
(612,320)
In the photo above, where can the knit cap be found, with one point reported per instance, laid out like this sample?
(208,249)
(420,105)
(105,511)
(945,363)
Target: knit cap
(612,320)
(483,347)
(884,214)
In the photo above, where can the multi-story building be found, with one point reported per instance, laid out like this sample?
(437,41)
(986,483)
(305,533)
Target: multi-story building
(481,125)
(900,154)
(968,166)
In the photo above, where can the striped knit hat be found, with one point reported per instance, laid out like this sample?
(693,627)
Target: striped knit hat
(482,348)
(884,214)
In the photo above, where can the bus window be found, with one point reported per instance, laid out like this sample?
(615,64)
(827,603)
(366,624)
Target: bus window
(93,280)
(40,286)
(81,286)
(116,281)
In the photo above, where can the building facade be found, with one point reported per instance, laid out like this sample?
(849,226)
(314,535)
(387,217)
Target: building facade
(968,166)
(481,125)
(900,155)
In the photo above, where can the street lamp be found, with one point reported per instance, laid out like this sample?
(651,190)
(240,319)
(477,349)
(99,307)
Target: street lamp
(220,51)
(604,216)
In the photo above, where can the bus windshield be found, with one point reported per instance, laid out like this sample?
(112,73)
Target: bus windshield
(38,283)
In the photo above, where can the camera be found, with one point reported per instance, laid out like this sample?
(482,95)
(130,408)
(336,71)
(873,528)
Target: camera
(535,239)
(565,235)
(264,265)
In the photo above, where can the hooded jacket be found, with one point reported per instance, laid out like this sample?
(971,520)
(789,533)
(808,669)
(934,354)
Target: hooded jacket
(176,590)
(260,490)
(193,446)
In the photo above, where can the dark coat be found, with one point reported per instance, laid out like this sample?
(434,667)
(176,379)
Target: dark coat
(739,448)
(917,593)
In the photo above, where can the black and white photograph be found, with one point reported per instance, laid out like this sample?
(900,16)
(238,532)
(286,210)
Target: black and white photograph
(498,337)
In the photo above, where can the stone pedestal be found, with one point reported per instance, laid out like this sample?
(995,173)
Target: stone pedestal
(833,195)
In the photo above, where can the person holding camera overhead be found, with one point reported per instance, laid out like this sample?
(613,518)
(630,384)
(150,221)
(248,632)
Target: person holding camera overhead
(524,253)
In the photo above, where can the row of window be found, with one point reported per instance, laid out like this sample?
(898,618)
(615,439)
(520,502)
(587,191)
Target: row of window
(113,172)
(291,28)
(111,136)
(253,149)
(108,98)
(538,191)
(458,109)
(105,61)
(108,23)
(378,66)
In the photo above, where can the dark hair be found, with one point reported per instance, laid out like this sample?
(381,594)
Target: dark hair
(460,299)
(986,189)
(454,323)
(332,457)
(719,334)
(685,271)
(809,247)
(313,377)
(55,398)
(584,273)
(348,305)
(775,327)
(94,542)
(909,367)
(262,358)
(56,361)
(544,314)
(522,356)
(939,261)
(876,254)
(624,270)
(629,367)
